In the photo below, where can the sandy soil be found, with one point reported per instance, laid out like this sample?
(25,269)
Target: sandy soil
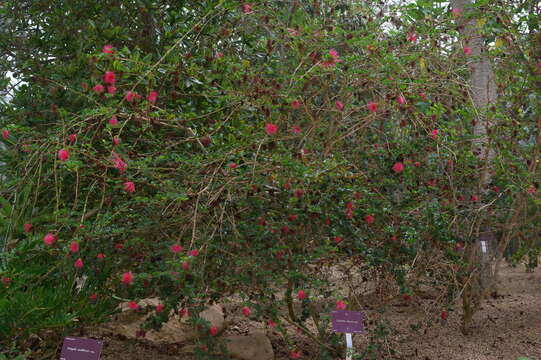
(506,328)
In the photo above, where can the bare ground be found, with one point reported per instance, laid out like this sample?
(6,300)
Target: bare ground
(506,328)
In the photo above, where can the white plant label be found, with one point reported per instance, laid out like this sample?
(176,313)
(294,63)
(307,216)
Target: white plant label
(349,345)
(484,247)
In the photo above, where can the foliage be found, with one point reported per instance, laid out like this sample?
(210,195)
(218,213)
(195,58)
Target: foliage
(285,139)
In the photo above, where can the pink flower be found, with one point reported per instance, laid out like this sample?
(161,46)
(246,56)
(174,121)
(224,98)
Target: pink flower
(111,90)
(127,278)
(401,100)
(73,138)
(152,97)
(119,163)
(412,37)
(5,134)
(296,104)
(295,355)
(296,129)
(219,55)
(434,133)
(213,331)
(422,95)
(298,193)
(176,248)
(474,198)
(232,165)
(246,311)
(131,95)
(78,263)
(63,155)
(369,219)
(108,49)
(532,189)
(129,186)
(116,140)
(185,265)
(74,246)
(271,324)
(338,239)
(456,12)
(27,227)
(335,58)
(133,305)
(339,105)
(398,167)
(193,253)
(372,106)
(113,121)
(49,239)
(467,50)
(98,88)
(301,295)
(271,129)
(333,53)
(101,256)
(293,32)
(417,164)
(340,305)
(159,308)
(109,77)
(247,8)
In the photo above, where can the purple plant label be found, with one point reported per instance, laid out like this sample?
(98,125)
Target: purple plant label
(349,322)
(75,348)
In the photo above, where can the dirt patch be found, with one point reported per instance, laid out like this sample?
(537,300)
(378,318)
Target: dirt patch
(506,328)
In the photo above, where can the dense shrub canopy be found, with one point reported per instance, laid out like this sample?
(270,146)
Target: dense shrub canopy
(213,148)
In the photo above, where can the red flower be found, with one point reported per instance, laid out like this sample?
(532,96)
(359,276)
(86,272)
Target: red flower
(339,105)
(474,198)
(152,97)
(434,133)
(116,140)
(287,186)
(298,193)
(295,355)
(127,278)
(193,252)
(108,49)
(213,331)
(271,324)
(467,50)
(73,138)
(119,163)
(176,248)
(296,104)
(401,100)
(101,256)
(369,219)
(372,106)
(183,312)
(292,217)
(398,167)
(119,246)
(301,295)
(109,77)
(456,12)
(131,95)
(93,296)
(113,121)
(338,239)
(247,8)
(5,134)
(63,155)
(532,189)
(246,311)
(417,164)
(111,90)
(296,129)
(340,305)
(232,165)
(185,265)
(129,186)
(444,315)
(412,37)
(74,246)
(49,239)
(98,88)
(271,129)
(327,221)
(133,305)
(334,59)
(27,227)
(159,308)
(78,263)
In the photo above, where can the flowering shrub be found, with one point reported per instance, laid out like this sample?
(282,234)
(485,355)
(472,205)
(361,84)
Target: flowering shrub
(252,146)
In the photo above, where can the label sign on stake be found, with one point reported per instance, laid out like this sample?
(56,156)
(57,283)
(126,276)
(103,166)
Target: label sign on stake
(75,348)
(348,322)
